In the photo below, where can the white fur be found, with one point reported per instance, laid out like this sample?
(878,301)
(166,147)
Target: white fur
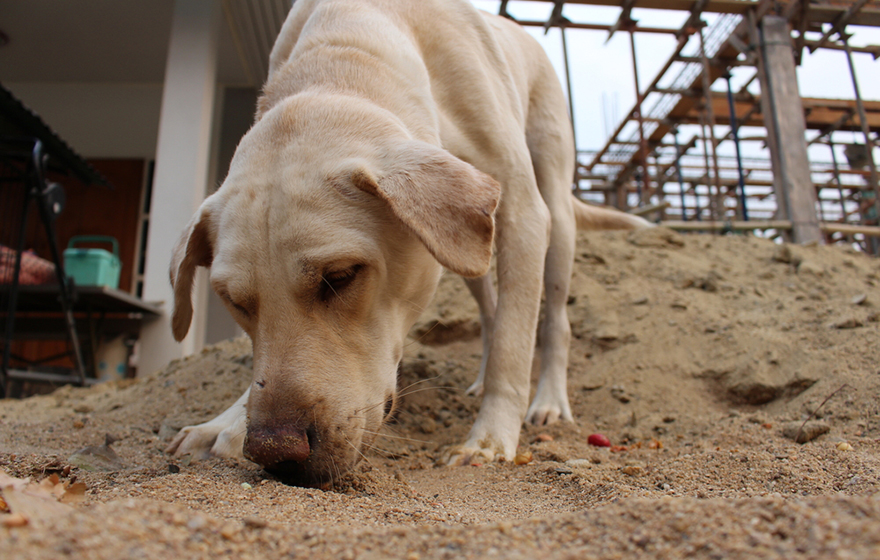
(357,158)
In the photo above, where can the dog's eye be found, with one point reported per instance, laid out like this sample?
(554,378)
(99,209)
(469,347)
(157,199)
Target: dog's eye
(333,283)
(240,308)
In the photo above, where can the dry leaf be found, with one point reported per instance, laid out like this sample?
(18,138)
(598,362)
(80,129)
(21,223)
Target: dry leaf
(74,494)
(7,481)
(32,502)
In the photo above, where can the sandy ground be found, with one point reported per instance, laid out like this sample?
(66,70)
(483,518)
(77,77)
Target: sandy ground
(699,357)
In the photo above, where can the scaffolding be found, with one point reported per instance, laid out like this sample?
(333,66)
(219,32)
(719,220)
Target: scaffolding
(708,178)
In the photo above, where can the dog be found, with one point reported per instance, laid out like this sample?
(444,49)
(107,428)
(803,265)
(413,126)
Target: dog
(392,139)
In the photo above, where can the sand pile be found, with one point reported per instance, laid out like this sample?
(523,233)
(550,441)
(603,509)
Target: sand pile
(699,357)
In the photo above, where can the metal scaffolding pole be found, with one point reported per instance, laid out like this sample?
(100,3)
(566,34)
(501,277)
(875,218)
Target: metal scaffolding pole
(836,169)
(713,201)
(643,156)
(735,135)
(681,189)
(710,115)
(863,121)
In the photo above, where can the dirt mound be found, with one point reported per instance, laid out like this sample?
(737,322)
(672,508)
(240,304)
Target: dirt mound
(700,357)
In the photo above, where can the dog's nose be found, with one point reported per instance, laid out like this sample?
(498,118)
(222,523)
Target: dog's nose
(276,446)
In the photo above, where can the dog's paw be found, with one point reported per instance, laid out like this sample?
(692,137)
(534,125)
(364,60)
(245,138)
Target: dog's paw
(206,440)
(467,455)
(195,441)
(547,410)
(494,437)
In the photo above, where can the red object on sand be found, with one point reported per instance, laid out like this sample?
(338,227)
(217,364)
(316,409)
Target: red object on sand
(598,440)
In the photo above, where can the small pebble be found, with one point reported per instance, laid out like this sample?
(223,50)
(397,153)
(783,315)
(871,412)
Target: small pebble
(523,458)
(246,486)
(598,440)
(804,432)
(15,520)
(844,446)
(846,323)
(252,522)
(228,531)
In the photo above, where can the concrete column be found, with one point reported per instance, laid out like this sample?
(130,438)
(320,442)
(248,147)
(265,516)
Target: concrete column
(784,120)
(183,155)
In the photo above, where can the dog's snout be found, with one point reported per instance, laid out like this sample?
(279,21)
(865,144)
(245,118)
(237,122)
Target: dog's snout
(271,446)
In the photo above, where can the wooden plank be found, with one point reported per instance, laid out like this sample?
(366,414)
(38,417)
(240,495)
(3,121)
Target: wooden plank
(818,113)
(647,209)
(716,6)
(737,225)
(850,229)
(826,12)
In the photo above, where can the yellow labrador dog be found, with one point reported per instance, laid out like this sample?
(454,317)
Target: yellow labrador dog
(393,138)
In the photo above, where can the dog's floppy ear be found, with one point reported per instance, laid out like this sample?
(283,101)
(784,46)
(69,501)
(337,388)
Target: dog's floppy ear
(449,204)
(193,249)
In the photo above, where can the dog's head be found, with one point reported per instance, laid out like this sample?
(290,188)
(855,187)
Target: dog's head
(325,242)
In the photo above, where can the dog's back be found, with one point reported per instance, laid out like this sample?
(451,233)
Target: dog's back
(447,78)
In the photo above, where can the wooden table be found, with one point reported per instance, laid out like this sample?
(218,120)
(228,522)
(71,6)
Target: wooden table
(98,312)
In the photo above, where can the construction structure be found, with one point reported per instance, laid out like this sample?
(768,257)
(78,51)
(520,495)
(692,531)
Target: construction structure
(696,181)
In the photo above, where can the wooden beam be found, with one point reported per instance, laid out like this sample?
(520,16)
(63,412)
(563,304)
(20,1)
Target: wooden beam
(737,225)
(827,12)
(849,229)
(648,208)
(819,114)
(785,225)
(839,23)
(716,6)
(599,27)
(873,50)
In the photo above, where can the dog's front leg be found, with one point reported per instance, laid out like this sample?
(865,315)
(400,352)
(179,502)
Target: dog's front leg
(522,239)
(484,293)
(221,437)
